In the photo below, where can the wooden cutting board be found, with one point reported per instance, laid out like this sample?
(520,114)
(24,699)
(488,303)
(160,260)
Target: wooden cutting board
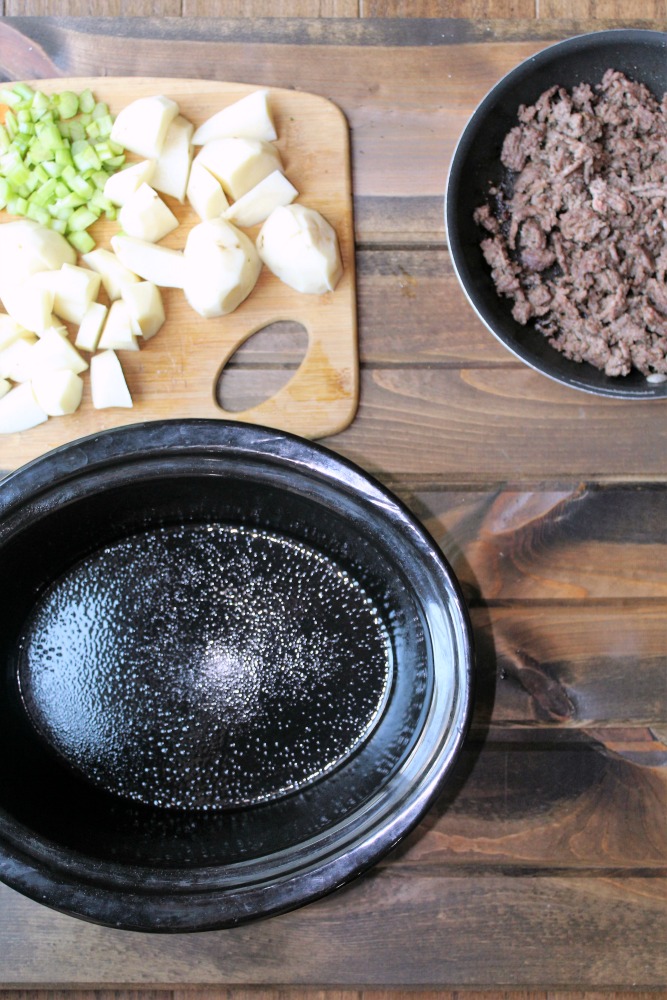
(177,372)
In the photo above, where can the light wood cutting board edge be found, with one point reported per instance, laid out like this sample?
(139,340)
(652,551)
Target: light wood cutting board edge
(175,374)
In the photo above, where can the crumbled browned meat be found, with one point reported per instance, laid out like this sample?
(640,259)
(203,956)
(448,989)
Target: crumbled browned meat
(578,228)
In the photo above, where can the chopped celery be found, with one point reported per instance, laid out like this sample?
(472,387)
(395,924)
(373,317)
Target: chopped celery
(82,218)
(55,159)
(68,104)
(81,241)
(86,101)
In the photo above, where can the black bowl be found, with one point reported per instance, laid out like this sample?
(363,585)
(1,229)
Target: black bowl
(234,672)
(642,56)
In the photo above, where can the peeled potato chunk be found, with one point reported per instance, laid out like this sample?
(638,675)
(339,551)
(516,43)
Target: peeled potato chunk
(250,117)
(301,248)
(107,382)
(19,410)
(142,125)
(239,164)
(222,268)
(58,392)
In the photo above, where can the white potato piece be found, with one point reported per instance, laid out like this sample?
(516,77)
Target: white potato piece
(90,329)
(123,184)
(142,125)
(30,303)
(145,308)
(117,333)
(222,267)
(107,382)
(161,265)
(75,288)
(26,248)
(239,164)
(19,410)
(256,205)
(172,168)
(205,194)
(301,248)
(250,117)
(10,330)
(115,275)
(58,392)
(146,216)
(5,386)
(15,359)
(53,351)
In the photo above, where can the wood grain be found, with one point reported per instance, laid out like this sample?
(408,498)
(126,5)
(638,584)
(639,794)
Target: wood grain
(540,873)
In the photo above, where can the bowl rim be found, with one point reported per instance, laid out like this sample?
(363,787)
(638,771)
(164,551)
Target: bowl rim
(610,388)
(134,897)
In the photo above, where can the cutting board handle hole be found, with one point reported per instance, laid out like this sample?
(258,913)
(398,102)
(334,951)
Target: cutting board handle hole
(279,347)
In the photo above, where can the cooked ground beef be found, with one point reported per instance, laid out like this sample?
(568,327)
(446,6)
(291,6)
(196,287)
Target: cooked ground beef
(578,227)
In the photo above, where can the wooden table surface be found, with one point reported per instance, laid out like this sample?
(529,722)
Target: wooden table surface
(543,868)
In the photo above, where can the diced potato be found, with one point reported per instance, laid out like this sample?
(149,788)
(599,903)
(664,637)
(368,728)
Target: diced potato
(123,184)
(142,125)
(161,265)
(10,330)
(256,205)
(58,392)
(89,331)
(222,267)
(52,351)
(5,386)
(146,216)
(115,275)
(239,164)
(30,303)
(145,308)
(301,248)
(15,359)
(75,288)
(107,382)
(117,333)
(19,410)
(205,194)
(173,165)
(250,117)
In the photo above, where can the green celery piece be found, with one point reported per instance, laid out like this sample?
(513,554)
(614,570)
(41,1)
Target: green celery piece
(81,241)
(44,194)
(64,157)
(17,206)
(5,191)
(5,141)
(82,187)
(11,124)
(38,214)
(18,175)
(24,92)
(49,136)
(60,225)
(86,159)
(86,101)
(9,97)
(68,104)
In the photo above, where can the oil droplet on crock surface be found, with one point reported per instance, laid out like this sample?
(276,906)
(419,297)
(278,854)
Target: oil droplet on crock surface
(205,666)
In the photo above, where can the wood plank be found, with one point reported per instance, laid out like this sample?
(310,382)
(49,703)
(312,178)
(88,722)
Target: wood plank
(554,806)
(578,932)
(271,8)
(603,9)
(93,8)
(474,9)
